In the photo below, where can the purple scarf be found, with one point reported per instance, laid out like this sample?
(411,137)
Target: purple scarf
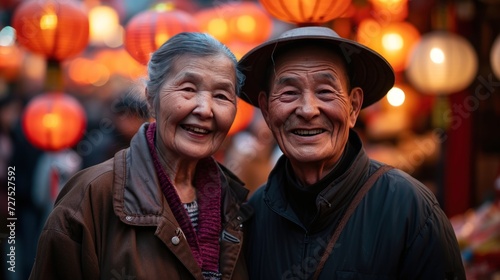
(204,243)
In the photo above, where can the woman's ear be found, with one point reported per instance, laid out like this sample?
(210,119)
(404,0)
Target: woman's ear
(356,103)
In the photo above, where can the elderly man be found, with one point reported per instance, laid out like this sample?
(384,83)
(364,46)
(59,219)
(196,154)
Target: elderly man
(328,211)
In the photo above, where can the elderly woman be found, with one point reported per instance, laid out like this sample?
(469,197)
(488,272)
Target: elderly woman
(163,208)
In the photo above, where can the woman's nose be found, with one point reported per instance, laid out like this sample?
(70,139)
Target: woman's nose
(204,105)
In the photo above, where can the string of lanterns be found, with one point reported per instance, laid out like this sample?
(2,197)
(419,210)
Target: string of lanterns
(60,30)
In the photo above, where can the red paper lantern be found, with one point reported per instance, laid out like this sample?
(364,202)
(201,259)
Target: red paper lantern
(54,121)
(57,29)
(244,116)
(148,30)
(306,12)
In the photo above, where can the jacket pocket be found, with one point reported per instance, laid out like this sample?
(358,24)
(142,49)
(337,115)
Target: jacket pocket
(226,236)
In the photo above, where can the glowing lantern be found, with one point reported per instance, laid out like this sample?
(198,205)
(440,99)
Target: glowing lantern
(495,57)
(53,121)
(214,22)
(390,10)
(56,29)
(442,63)
(148,30)
(393,41)
(306,12)
(105,28)
(244,116)
(249,23)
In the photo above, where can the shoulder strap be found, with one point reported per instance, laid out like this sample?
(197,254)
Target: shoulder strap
(343,221)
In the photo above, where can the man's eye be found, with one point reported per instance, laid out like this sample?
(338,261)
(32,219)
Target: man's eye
(325,91)
(289,92)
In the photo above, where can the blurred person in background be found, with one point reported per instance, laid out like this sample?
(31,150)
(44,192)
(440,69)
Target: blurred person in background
(162,208)
(252,154)
(328,211)
(130,112)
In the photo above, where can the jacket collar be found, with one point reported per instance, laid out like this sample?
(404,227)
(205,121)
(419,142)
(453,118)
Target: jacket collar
(329,202)
(137,197)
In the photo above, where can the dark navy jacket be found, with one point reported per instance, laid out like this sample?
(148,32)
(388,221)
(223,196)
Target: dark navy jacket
(398,231)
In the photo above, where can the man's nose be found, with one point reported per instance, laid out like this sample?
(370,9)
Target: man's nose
(308,107)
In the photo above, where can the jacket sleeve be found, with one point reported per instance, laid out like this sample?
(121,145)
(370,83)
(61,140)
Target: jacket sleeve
(434,253)
(67,246)
(60,257)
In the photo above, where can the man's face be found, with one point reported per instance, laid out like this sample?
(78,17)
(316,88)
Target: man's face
(308,107)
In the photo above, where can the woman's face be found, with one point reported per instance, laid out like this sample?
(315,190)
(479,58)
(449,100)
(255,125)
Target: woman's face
(195,107)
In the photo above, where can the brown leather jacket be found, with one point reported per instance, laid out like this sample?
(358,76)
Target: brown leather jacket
(111,221)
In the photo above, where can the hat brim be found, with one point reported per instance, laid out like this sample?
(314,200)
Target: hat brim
(369,70)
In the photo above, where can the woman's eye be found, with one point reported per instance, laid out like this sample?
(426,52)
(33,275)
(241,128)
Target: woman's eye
(188,89)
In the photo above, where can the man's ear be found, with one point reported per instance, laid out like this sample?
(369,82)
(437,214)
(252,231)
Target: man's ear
(356,103)
(263,102)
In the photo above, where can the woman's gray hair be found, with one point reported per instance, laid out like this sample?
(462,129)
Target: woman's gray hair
(185,43)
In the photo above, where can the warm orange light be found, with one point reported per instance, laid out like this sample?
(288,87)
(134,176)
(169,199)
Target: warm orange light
(239,49)
(10,62)
(148,30)
(393,41)
(53,121)
(396,96)
(119,62)
(244,116)
(213,22)
(57,29)
(306,11)
(77,70)
(48,21)
(236,21)
(104,24)
(390,10)
(249,23)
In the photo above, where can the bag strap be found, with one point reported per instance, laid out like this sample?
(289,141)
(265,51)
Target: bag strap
(343,221)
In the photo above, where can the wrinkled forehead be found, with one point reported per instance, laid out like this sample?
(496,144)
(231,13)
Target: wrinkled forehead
(307,57)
